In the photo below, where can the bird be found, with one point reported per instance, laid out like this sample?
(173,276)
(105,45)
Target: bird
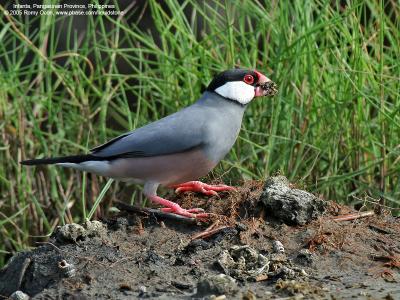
(177,150)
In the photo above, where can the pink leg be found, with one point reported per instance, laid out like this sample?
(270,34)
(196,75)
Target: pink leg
(198,186)
(174,208)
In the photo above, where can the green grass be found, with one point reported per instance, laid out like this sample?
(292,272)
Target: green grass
(334,126)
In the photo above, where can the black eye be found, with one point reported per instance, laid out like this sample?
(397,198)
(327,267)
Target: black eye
(249,79)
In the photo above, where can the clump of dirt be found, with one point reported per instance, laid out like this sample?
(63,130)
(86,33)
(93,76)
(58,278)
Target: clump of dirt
(244,263)
(247,264)
(247,254)
(292,206)
(300,289)
(74,232)
(216,285)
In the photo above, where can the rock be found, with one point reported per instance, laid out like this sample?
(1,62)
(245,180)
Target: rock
(249,295)
(95,228)
(247,264)
(196,245)
(217,285)
(142,291)
(153,258)
(285,273)
(12,274)
(292,206)
(243,263)
(31,271)
(278,258)
(19,295)
(68,270)
(35,270)
(69,233)
(277,247)
(227,233)
(226,262)
(75,232)
(305,257)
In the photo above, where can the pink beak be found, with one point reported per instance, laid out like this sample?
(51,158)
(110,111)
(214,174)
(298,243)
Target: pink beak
(265,86)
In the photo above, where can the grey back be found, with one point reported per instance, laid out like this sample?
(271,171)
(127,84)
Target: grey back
(212,124)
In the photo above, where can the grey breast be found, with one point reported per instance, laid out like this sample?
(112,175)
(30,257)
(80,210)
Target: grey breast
(224,119)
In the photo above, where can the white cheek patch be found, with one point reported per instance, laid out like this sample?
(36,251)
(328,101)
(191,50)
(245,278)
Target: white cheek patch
(237,90)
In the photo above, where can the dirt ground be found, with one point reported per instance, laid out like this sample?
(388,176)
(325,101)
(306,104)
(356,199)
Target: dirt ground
(249,253)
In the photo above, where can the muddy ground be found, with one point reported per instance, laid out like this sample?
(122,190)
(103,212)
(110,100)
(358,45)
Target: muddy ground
(255,251)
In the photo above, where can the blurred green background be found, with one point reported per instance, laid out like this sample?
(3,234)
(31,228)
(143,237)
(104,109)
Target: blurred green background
(70,83)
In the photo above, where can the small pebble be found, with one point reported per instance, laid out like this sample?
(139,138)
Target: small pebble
(70,233)
(249,295)
(217,285)
(304,273)
(278,247)
(67,269)
(305,257)
(19,295)
(221,297)
(142,290)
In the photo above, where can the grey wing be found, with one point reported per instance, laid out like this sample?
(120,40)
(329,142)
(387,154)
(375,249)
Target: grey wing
(176,133)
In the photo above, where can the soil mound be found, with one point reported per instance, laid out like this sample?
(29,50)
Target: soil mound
(247,251)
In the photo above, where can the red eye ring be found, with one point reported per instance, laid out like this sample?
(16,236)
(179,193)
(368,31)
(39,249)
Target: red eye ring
(249,79)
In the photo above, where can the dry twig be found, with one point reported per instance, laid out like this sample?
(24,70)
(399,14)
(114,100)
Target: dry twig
(354,216)
(209,231)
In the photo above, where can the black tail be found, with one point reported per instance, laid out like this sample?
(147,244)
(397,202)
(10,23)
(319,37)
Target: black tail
(54,160)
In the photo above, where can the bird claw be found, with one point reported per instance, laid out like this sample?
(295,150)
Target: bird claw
(200,190)
(173,208)
(190,210)
(200,187)
(196,213)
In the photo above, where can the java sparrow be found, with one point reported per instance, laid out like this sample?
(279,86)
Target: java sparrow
(180,148)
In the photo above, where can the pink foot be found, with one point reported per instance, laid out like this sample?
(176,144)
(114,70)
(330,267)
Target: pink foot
(172,207)
(198,186)
(190,210)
